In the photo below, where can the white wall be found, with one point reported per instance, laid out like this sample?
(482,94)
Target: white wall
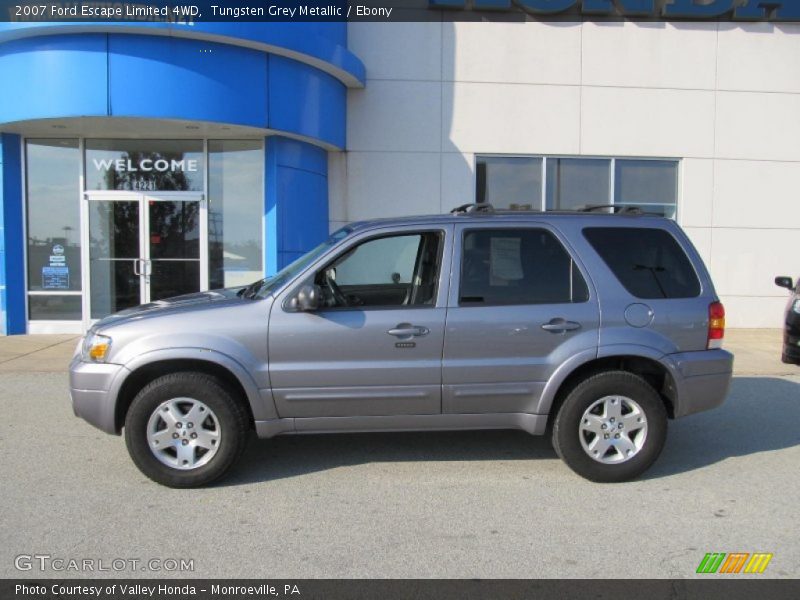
(724,98)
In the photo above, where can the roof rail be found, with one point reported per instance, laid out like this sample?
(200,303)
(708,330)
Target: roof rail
(472,207)
(615,208)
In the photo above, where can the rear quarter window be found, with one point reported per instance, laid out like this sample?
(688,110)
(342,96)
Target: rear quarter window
(649,263)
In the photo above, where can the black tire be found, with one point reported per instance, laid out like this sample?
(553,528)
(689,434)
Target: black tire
(566,428)
(230,413)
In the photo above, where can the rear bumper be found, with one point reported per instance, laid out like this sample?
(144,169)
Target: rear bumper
(702,380)
(91,390)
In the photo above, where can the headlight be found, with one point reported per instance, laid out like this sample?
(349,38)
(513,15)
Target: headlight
(95,347)
(796,306)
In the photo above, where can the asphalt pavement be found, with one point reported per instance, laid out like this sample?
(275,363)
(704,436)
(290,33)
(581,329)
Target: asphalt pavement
(464,505)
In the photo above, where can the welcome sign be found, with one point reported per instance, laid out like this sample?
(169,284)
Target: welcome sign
(145,165)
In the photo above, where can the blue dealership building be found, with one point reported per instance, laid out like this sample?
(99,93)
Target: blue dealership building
(143,160)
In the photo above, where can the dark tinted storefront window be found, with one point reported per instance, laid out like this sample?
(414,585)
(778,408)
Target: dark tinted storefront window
(53,228)
(145,165)
(236,207)
(648,262)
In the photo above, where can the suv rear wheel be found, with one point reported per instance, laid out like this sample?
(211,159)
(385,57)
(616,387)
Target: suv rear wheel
(611,427)
(185,429)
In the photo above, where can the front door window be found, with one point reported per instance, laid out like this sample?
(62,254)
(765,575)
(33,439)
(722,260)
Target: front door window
(393,271)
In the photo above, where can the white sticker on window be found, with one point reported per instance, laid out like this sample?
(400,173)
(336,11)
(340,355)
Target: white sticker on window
(506,259)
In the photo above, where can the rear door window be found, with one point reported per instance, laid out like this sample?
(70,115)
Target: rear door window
(517,266)
(649,263)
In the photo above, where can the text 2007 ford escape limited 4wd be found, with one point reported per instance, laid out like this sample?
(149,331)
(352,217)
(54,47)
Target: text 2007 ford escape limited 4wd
(593,328)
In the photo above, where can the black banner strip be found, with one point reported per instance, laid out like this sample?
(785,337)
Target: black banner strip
(198,11)
(715,587)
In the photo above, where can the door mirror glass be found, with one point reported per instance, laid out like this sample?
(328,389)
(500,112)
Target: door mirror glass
(784,282)
(306,299)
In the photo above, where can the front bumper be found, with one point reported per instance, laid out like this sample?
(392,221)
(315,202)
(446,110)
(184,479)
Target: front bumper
(702,380)
(92,389)
(791,339)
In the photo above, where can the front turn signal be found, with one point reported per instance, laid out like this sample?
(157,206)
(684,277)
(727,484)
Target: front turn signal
(95,347)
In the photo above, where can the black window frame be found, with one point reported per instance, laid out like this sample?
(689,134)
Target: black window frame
(533,227)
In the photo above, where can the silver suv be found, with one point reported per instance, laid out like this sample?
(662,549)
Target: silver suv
(593,328)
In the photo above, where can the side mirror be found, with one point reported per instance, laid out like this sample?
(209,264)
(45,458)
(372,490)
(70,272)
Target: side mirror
(784,282)
(306,299)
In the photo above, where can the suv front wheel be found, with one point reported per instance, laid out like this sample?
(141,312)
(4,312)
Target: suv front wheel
(185,429)
(611,427)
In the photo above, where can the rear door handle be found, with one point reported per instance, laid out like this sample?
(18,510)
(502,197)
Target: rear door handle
(405,330)
(559,325)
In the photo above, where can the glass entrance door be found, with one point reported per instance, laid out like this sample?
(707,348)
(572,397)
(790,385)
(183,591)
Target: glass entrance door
(171,264)
(142,248)
(115,251)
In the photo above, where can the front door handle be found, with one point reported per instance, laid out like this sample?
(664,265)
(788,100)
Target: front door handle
(559,325)
(406,330)
(136,267)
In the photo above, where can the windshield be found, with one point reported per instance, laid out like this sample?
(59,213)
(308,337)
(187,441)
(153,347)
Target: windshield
(264,287)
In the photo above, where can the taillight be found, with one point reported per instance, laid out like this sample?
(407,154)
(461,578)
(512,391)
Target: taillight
(716,325)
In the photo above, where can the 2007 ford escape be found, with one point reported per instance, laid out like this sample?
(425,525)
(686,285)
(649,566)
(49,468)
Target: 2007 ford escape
(593,328)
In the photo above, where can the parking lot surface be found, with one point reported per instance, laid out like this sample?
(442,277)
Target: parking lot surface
(469,504)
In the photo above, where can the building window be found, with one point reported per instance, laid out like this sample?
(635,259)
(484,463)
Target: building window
(145,165)
(510,182)
(141,244)
(236,201)
(572,183)
(53,229)
(651,184)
